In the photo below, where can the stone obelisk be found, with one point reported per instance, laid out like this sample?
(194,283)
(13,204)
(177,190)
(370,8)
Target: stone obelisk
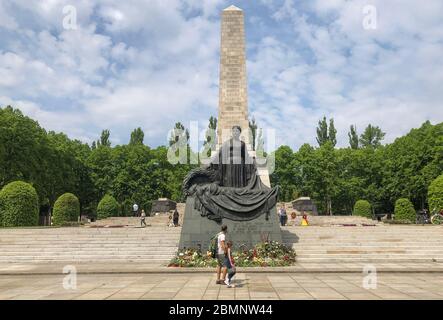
(233,90)
(233,95)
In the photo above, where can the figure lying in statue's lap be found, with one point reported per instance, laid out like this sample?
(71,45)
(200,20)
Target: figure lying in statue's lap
(230,187)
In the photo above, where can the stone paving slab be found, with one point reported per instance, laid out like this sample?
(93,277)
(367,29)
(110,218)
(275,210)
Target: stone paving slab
(257,286)
(140,268)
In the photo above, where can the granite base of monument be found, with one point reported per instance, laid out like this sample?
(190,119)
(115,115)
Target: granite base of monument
(198,231)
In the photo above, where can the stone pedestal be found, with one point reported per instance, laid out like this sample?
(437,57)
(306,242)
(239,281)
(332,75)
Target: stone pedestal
(198,230)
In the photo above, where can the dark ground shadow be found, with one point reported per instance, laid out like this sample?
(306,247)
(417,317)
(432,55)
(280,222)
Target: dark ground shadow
(239,283)
(289,238)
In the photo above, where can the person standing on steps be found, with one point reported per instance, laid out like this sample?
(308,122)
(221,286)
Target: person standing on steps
(283,216)
(221,255)
(142,218)
(175,217)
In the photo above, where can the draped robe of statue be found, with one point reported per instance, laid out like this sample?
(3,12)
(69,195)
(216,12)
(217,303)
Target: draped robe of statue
(230,187)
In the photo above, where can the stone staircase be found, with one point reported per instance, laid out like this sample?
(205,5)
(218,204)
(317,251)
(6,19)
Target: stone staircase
(380,243)
(120,240)
(106,241)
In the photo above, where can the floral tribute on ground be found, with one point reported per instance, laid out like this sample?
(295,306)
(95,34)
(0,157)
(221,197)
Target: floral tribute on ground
(264,254)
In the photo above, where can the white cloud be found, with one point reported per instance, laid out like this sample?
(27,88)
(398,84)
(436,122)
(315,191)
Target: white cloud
(71,123)
(388,77)
(152,63)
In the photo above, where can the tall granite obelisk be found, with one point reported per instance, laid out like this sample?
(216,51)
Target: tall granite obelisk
(233,94)
(233,88)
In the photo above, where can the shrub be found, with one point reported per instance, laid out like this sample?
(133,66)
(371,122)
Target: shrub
(435,194)
(18,205)
(404,210)
(66,209)
(107,207)
(362,208)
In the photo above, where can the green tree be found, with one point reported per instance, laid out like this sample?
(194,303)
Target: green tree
(66,209)
(325,133)
(137,136)
(70,171)
(411,163)
(283,174)
(353,137)
(104,139)
(103,170)
(19,206)
(322,132)
(332,133)
(25,153)
(371,137)
(178,134)
(325,175)
(212,127)
(211,136)
(435,194)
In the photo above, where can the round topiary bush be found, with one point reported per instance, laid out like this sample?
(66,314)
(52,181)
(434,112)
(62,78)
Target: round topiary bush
(404,210)
(435,194)
(362,208)
(107,207)
(18,205)
(66,209)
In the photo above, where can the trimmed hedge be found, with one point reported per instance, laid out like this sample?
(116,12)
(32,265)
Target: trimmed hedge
(404,210)
(435,194)
(107,207)
(362,208)
(66,209)
(18,205)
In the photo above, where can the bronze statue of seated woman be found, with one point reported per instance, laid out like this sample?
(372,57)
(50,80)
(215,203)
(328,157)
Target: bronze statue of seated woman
(230,187)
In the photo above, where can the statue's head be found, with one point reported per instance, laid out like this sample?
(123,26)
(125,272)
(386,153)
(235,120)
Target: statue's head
(236,131)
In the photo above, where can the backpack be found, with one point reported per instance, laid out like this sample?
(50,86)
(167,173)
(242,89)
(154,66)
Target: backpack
(213,245)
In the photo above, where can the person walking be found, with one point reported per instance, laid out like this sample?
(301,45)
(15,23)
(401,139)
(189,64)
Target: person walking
(142,218)
(230,265)
(175,217)
(221,255)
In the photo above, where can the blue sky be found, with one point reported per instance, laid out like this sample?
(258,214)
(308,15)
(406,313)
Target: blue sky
(152,63)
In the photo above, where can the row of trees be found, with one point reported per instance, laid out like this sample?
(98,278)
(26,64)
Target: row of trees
(337,177)
(334,177)
(371,136)
(55,164)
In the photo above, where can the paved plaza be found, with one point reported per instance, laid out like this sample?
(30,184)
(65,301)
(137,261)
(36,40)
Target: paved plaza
(248,286)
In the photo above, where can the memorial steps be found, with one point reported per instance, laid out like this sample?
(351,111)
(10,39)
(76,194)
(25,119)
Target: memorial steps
(154,245)
(381,243)
(107,241)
